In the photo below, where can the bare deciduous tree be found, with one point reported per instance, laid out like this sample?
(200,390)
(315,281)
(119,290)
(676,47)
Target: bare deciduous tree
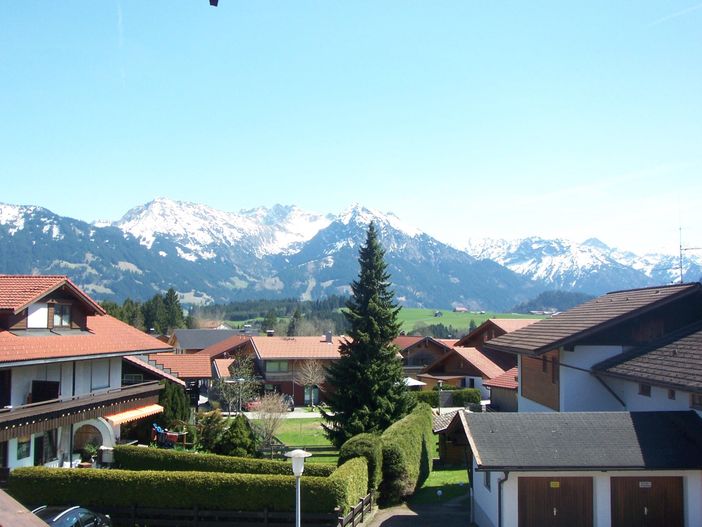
(311,373)
(270,415)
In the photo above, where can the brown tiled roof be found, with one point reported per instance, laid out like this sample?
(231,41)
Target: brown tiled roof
(449,343)
(185,366)
(222,367)
(105,335)
(674,361)
(18,291)
(513,324)
(507,380)
(228,344)
(146,366)
(405,341)
(587,318)
(286,348)
(442,421)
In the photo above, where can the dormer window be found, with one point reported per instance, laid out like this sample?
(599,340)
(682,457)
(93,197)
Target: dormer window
(62,315)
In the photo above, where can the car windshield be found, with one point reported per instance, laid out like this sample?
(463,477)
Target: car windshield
(53,516)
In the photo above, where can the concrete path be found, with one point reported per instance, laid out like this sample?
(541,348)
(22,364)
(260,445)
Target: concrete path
(454,513)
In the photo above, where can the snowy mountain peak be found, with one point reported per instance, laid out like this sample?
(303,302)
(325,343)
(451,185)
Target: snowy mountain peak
(362,216)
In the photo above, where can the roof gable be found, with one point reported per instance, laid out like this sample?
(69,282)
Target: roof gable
(595,315)
(508,380)
(19,291)
(674,361)
(472,356)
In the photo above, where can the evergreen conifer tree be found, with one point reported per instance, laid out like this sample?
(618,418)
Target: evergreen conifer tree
(368,392)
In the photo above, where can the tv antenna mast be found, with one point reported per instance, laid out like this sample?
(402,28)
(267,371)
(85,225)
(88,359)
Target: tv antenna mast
(684,249)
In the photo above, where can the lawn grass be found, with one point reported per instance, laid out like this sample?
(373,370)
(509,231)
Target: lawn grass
(452,482)
(410,316)
(301,433)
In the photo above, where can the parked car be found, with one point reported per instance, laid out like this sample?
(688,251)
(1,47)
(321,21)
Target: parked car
(72,517)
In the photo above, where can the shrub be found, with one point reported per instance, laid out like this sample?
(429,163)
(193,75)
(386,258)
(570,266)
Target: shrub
(369,447)
(350,482)
(429,397)
(466,396)
(184,490)
(238,439)
(139,458)
(172,490)
(407,454)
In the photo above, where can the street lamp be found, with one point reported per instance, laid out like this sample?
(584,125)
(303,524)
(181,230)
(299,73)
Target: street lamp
(298,466)
(440,383)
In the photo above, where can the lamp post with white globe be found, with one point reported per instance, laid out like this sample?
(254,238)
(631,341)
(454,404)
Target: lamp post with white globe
(298,466)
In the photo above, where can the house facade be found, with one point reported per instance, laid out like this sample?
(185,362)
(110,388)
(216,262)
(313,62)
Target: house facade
(419,352)
(61,372)
(462,368)
(284,362)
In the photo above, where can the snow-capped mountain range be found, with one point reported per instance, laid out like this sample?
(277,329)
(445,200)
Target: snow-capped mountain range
(213,256)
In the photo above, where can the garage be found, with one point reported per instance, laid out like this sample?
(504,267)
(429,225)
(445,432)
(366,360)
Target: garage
(555,501)
(647,502)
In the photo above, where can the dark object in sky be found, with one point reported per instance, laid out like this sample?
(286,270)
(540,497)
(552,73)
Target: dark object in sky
(214,2)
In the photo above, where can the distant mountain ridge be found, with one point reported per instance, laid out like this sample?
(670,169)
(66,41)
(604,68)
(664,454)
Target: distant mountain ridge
(209,255)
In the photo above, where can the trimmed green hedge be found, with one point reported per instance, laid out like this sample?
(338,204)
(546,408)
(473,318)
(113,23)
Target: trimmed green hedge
(465,396)
(34,486)
(369,447)
(350,481)
(140,458)
(407,454)
(429,397)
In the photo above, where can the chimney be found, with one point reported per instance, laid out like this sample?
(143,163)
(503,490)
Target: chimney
(328,336)
(270,332)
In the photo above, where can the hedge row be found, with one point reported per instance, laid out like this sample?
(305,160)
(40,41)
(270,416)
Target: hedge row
(459,397)
(367,446)
(183,490)
(407,454)
(139,458)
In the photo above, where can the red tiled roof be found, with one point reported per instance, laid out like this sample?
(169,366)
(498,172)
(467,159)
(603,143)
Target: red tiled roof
(507,380)
(405,341)
(222,367)
(480,361)
(449,343)
(105,335)
(271,348)
(185,366)
(18,291)
(218,348)
(146,366)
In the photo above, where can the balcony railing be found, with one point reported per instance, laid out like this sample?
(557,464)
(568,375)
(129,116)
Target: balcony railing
(57,412)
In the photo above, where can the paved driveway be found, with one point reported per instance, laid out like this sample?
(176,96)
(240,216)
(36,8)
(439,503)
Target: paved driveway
(452,514)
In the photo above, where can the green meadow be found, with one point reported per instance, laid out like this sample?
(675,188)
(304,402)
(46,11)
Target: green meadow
(410,316)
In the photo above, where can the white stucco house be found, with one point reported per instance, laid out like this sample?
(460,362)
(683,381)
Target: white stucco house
(61,382)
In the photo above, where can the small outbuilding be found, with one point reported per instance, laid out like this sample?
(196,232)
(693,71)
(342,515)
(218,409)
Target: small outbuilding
(583,469)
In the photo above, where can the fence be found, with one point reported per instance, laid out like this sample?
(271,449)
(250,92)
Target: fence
(196,517)
(358,513)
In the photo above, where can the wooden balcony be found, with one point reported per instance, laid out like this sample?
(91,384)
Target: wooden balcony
(38,417)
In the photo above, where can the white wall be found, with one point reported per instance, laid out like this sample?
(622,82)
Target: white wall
(580,390)
(486,502)
(38,316)
(658,401)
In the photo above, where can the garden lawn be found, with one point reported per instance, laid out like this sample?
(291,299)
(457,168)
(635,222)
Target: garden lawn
(308,433)
(452,482)
(461,321)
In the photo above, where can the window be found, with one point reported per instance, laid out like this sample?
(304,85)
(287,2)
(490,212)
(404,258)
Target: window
(544,365)
(276,366)
(671,395)
(471,383)
(62,315)
(24,446)
(132,378)
(50,445)
(696,400)
(487,479)
(645,389)
(99,374)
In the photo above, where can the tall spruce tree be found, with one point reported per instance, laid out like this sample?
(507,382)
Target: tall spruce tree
(368,392)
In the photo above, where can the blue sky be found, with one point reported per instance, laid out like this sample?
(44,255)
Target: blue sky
(465,118)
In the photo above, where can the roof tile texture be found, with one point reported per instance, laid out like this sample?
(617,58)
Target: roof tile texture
(16,291)
(185,366)
(508,380)
(548,333)
(105,335)
(286,348)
